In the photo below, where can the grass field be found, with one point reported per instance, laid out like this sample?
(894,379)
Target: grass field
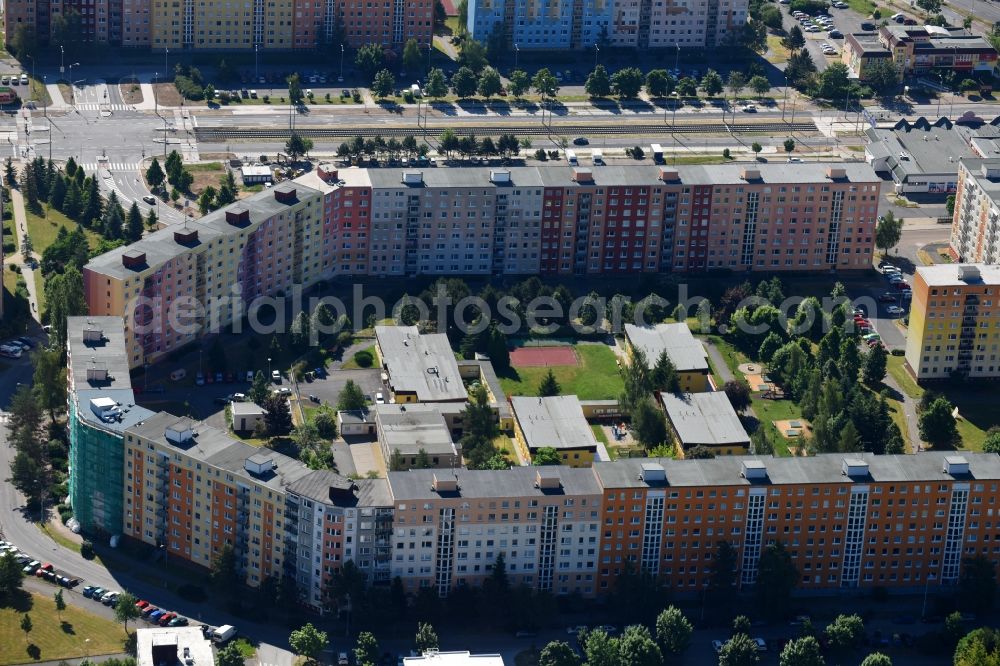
(62,540)
(78,634)
(779,52)
(351,364)
(43,230)
(595,378)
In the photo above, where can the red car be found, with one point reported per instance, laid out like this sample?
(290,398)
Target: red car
(165,619)
(141,604)
(47,566)
(888,297)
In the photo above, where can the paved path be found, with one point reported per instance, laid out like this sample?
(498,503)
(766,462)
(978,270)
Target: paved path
(718,363)
(909,413)
(21,229)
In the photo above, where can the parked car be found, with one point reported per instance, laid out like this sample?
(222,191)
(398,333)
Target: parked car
(98,593)
(149,609)
(342,659)
(887,297)
(179,621)
(276,376)
(894,310)
(150,199)
(89,590)
(379,398)
(284,390)
(141,604)
(199,379)
(31,567)
(580,141)
(761,644)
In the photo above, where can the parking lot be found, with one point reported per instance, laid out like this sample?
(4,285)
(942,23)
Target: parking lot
(844,20)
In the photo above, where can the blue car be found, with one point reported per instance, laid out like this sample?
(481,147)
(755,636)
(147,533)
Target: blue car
(156,615)
(320,373)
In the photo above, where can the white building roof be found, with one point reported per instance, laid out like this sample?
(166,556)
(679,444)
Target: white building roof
(435,658)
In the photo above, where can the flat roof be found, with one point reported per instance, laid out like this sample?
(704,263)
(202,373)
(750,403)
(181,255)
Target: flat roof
(255,170)
(423,364)
(685,351)
(555,421)
(411,427)
(704,418)
(199,648)
(514,482)
(436,658)
(944,275)
(932,148)
(825,468)
(246,409)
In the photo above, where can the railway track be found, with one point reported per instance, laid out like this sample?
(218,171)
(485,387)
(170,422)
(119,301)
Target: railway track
(210,134)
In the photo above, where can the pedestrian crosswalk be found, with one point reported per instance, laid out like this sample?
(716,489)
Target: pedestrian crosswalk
(94,106)
(111,166)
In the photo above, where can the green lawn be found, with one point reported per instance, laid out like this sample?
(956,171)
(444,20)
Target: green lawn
(599,434)
(864,7)
(595,378)
(767,412)
(77,634)
(62,540)
(43,230)
(351,364)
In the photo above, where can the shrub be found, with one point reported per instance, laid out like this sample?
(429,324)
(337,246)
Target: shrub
(364,358)
(87,549)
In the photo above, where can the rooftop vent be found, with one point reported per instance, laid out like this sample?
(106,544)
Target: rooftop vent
(547,479)
(185,236)
(583,176)
(133,258)
(956,465)
(285,193)
(180,432)
(105,409)
(327,173)
(97,371)
(238,215)
(754,470)
(412,177)
(750,174)
(653,472)
(259,464)
(93,333)
(967,273)
(854,467)
(499,176)
(669,175)
(991,169)
(833,173)
(445,484)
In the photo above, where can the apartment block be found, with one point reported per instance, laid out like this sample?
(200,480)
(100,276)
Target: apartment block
(353,223)
(975,228)
(578,24)
(954,326)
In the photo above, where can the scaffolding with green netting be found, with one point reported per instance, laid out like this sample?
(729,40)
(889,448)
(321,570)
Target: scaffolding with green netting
(95,481)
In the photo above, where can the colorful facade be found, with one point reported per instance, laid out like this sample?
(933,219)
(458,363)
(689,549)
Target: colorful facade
(975,228)
(954,326)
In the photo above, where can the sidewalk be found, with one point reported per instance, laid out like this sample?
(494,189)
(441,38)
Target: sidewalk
(21,229)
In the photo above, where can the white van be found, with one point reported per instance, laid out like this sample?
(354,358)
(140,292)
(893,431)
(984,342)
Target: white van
(571,157)
(178,374)
(597,156)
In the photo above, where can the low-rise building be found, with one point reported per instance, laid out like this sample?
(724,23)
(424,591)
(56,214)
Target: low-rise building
(415,434)
(554,422)
(705,419)
(861,51)
(172,646)
(438,658)
(918,49)
(954,325)
(246,415)
(685,351)
(418,367)
(975,227)
(256,174)
(356,423)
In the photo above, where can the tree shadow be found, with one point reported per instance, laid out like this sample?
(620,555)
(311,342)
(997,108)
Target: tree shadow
(20,601)
(390,106)
(890,392)
(67,627)
(34,652)
(472,106)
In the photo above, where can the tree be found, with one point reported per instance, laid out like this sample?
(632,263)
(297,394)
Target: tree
(154,174)
(383,84)
(992,442)
(295,95)
(834,82)
(26,625)
(489,83)
(412,58)
(770,17)
(876,659)
(882,75)
(756,148)
(649,424)
(351,398)
(11,576)
(711,83)
(549,386)
(24,42)
(479,431)
(736,82)
(63,298)
(659,83)
(980,647)
(49,380)
(794,40)
(738,393)
(789,145)
(277,415)
(770,346)
(545,83)
(673,630)
(776,578)
(978,583)
(558,653)
(740,650)
(369,59)
(60,602)
(259,389)
(426,638)
(463,82)
(760,85)
(519,84)
(308,641)
(930,6)
(937,425)
(133,224)
(366,651)
(598,82)
(800,69)
(637,648)
(472,54)
(845,631)
(874,367)
(600,649)
(436,86)
(687,87)
(546,455)
(126,610)
(229,655)
(627,82)
(752,36)
(803,651)
(888,231)
(663,376)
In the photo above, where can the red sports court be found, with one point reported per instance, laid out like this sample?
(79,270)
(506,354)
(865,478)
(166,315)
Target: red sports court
(540,357)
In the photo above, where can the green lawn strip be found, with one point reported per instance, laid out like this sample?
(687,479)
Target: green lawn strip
(595,378)
(903,378)
(769,411)
(73,633)
(62,540)
(351,364)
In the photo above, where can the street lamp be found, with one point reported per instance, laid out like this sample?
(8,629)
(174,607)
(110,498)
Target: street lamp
(269,367)
(165,551)
(597,52)
(62,60)
(340,78)
(32,74)
(517,52)
(673,121)
(166,68)
(256,62)
(156,103)
(784,100)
